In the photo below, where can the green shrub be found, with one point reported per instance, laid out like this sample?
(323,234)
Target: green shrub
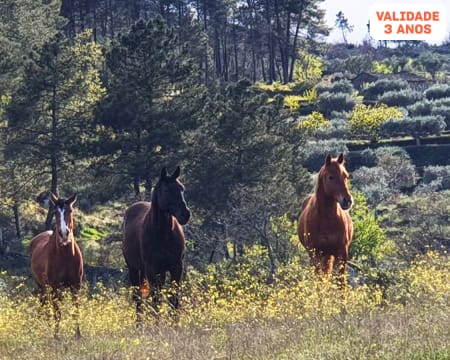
(338,129)
(382,68)
(316,152)
(415,126)
(444,113)
(401,98)
(372,92)
(369,241)
(365,157)
(328,102)
(342,86)
(437,176)
(372,181)
(391,151)
(420,108)
(438,91)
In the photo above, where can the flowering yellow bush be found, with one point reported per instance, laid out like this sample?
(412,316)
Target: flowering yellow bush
(314,122)
(366,121)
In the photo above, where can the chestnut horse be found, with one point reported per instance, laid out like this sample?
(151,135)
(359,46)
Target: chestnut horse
(154,241)
(325,228)
(56,259)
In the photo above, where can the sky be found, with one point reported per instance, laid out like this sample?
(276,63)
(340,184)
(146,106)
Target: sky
(357,13)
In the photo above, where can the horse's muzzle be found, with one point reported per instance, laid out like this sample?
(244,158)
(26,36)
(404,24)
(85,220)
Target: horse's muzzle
(65,240)
(183,217)
(346,203)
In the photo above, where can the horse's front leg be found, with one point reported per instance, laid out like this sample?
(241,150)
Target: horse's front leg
(76,313)
(322,262)
(175,274)
(341,267)
(56,297)
(156,280)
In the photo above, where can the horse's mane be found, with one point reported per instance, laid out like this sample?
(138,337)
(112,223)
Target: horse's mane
(316,179)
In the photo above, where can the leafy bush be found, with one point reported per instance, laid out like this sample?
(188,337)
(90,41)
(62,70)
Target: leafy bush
(275,87)
(373,182)
(444,113)
(438,91)
(316,152)
(341,86)
(338,129)
(308,67)
(418,222)
(416,126)
(366,121)
(328,102)
(381,68)
(372,92)
(400,169)
(442,102)
(351,65)
(292,102)
(394,172)
(365,157)
(391,151)
(369,241)
(438,176)
(313,122)
(420,108)
(400,98)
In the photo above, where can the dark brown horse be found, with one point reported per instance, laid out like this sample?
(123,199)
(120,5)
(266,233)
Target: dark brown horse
(56,259)
(154,241)
(325,228)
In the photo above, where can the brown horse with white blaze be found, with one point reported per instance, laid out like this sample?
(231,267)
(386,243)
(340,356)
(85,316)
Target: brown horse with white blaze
(325,227)
(56,259)
(154,242)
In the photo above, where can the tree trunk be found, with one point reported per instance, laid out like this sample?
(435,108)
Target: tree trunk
(17,219)
(271,45)
(294,50)
(53,160)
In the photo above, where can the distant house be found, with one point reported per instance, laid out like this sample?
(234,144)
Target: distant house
(416,82)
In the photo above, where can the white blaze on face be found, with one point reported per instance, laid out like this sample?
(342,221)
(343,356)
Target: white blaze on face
(64,228)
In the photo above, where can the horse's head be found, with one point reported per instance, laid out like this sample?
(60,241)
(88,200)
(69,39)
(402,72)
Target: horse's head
(333,177)
(170,196)
(64,218)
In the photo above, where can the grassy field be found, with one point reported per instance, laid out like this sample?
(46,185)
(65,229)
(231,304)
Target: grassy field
(297,317)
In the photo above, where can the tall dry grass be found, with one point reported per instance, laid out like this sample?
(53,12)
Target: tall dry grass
(296,317)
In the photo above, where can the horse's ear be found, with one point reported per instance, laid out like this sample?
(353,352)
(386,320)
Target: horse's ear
(341,158)
(176,173)
(53,198)
(72,199)
(328,160)
(164,173)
